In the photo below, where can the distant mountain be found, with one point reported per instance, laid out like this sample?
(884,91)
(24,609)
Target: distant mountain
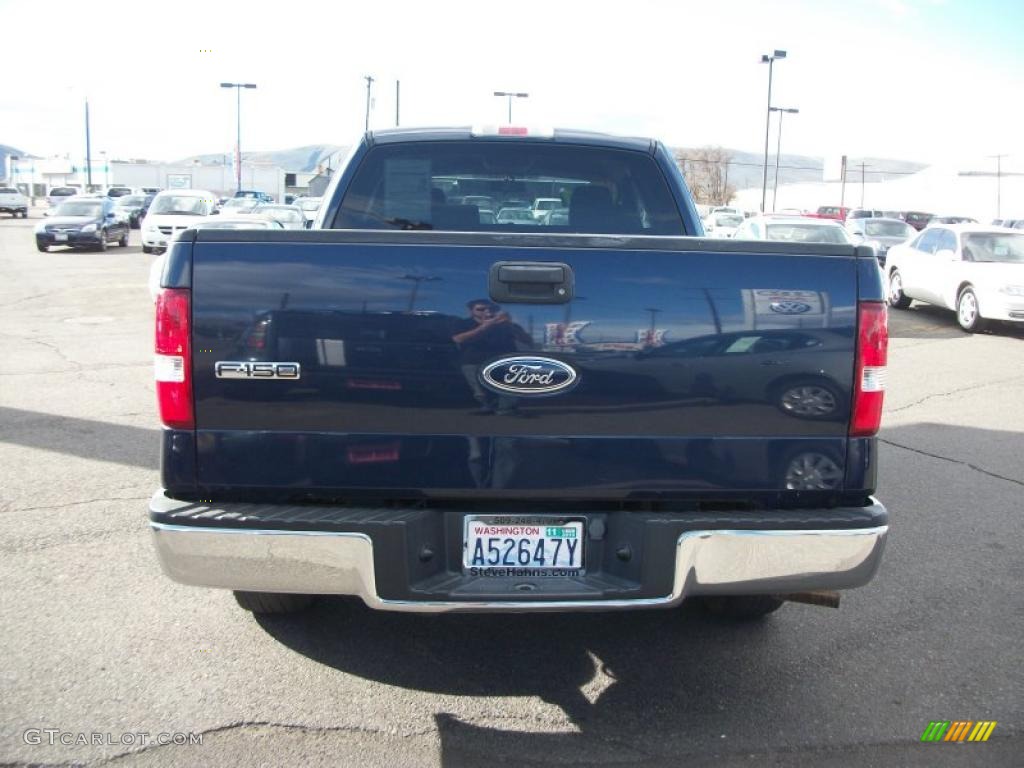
(746,168)
(300,159)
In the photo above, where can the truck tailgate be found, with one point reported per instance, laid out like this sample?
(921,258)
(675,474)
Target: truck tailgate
(701,369)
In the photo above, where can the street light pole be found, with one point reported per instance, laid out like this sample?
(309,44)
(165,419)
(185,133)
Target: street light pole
(88,152)
(511,95)
(238,139)
(768,59)
(778,149)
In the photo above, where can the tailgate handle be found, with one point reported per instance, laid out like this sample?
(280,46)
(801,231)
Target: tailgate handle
(529,282)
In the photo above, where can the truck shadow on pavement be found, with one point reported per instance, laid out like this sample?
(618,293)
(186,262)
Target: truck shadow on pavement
(85,438)
(628,682)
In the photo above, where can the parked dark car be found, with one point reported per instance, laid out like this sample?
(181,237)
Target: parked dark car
(253,194)
(133,207)
(916,219)
(89,223)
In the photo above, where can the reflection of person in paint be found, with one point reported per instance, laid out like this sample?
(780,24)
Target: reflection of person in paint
(487,333)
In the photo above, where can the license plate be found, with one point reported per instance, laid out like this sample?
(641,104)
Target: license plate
(60,238)
(509,546)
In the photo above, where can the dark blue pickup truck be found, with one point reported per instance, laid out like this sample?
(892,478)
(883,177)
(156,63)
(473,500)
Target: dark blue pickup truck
(447,398)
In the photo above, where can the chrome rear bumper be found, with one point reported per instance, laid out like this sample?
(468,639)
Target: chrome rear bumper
(707,562)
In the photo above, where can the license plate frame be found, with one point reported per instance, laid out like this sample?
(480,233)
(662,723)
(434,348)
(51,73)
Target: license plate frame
(492,545)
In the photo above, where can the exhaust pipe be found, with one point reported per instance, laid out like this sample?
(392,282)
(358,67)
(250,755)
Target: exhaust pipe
(824,597)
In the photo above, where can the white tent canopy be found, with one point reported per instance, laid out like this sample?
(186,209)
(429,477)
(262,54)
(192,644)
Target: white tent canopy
(936,189)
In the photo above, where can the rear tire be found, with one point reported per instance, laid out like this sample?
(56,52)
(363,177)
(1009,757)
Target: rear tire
(968,314)
(897,298)
(146,249)
(741,607)
(123,242)
(272,602)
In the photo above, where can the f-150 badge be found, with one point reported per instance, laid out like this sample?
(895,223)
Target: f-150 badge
(229,369)
(528,376)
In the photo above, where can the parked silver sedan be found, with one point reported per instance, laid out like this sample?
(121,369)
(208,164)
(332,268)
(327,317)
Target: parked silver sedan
(880,234)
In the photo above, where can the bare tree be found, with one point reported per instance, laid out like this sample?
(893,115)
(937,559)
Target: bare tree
(706,171)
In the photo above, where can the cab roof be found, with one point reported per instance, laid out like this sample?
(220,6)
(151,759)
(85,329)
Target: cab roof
(561,136)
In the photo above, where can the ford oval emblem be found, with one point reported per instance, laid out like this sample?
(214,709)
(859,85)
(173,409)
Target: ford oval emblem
(528,376)
(789,307)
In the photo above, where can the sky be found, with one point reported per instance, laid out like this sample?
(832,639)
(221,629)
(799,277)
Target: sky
(921,80)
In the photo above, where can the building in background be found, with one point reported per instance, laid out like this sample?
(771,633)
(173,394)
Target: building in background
(36,176)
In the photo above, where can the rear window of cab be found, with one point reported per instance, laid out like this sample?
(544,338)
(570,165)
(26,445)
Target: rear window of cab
(439,185)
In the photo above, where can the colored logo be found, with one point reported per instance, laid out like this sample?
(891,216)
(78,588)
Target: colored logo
(528,376)
(958,730)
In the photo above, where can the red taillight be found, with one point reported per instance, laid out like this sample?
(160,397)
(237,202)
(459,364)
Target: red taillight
(173,360)
(872,357)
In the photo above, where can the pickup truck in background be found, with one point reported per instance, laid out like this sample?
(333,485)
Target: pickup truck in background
(13,202)
(419,407)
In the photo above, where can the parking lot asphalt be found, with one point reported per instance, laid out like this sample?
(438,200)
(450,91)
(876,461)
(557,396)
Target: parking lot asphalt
(95,640)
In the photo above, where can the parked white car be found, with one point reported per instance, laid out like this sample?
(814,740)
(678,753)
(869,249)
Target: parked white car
(13,202)
(171,212)
(798,229)
(288,216)
(310,207)
(542,205)
(975,270)
(722,224)
(58,195)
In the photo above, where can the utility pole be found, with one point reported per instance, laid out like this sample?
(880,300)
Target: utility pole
(654,323)
(88,152)
(863,165)
(842,188)
(417,280)
(369,82)
(999,184)
(397,99)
